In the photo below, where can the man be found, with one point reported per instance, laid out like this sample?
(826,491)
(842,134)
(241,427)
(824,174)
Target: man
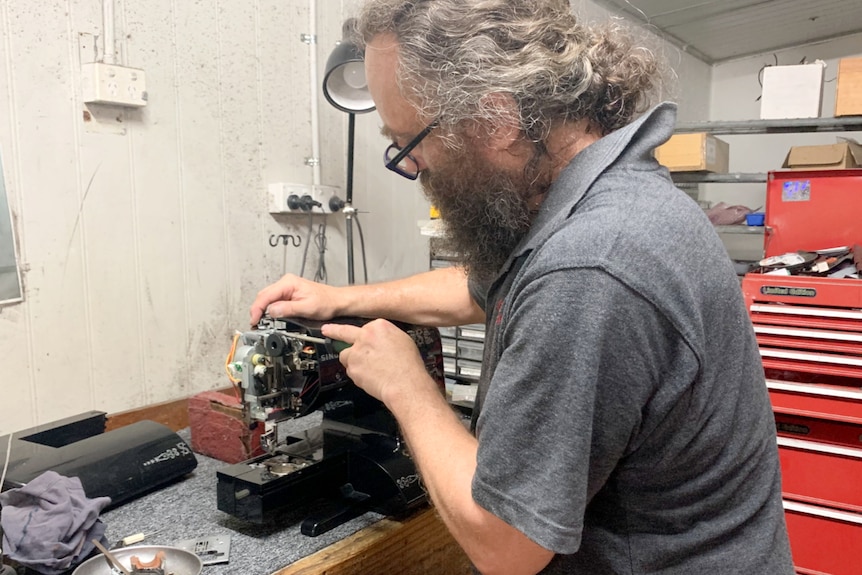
(622,422)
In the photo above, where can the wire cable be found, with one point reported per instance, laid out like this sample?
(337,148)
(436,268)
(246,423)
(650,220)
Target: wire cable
(320,242)
(307,242)
(227,363)
(362,246)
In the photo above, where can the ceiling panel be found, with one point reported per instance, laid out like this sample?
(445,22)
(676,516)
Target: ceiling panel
(718,30)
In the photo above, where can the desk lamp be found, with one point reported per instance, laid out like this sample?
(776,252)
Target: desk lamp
(344,87)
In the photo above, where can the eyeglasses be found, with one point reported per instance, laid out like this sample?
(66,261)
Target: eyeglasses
(400,161)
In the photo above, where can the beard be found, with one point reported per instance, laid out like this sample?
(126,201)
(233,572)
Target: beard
(486,211)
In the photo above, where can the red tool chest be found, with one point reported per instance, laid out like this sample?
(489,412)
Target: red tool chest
(812,210)
(809,331)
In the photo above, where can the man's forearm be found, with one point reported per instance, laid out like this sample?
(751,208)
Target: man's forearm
(437,298)
(445,453)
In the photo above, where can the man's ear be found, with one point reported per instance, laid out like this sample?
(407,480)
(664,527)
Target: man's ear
(501,132)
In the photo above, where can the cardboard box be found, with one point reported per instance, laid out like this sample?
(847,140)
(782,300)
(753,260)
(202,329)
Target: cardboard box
(848,89)
(847,154)
(792,91)
(697,152)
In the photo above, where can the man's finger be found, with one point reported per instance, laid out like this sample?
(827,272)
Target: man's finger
(279,309)
(343,353)
(268,295)
(341,332)
(273,310)
(255,314)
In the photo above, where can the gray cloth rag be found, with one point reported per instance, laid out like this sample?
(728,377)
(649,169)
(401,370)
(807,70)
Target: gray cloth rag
(49,524)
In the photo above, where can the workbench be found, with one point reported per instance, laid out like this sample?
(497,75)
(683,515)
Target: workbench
(371,543)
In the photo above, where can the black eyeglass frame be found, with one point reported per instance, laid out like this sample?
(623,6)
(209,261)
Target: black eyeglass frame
(405,153)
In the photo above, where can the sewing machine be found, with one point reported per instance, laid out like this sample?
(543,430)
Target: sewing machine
(323,437)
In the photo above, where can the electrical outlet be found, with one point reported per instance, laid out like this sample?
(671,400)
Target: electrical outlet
(278,193)
(111,84)
(279,198)
(324,194)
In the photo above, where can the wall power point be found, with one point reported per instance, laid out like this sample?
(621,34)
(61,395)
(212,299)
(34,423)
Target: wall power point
(304,203)
(287,198)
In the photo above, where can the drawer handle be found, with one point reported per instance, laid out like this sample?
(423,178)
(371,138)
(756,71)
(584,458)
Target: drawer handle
(809,333)
(812,389)
(798,310)
(815,357)
(822,512)
(820,447)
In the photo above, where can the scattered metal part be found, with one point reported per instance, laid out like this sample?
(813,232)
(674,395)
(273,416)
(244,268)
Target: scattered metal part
(210,550)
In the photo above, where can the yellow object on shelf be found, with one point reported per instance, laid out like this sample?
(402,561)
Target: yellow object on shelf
(696,152)
(848,91)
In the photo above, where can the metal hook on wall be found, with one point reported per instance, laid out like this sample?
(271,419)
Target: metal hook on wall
(285,239)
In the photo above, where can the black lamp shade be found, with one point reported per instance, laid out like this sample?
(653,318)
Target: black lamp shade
(344,84)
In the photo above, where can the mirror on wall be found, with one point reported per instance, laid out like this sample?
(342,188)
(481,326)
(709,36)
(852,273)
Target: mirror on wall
(10,277)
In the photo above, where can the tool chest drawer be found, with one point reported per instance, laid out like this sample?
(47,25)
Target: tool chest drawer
(821,473)
(807,324)
(824,541)
(835,402)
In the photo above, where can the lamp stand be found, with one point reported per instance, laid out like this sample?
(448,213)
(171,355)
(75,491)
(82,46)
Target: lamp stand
(348,204)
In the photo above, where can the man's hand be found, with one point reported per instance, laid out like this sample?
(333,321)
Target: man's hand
(382,359)
(293,296)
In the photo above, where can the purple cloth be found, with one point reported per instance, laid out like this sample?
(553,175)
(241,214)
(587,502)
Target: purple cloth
(49,524)
(723,215)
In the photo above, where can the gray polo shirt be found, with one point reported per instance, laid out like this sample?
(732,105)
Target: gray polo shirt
(622,417)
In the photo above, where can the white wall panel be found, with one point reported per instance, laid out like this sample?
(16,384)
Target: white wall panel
(17,379)
(202,149)
(242,187)
(159,218)
(50,212)
(110,241)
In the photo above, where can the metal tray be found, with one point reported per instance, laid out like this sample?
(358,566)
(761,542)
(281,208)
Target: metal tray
(177,561)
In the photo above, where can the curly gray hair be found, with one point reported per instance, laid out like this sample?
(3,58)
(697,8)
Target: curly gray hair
(456,56)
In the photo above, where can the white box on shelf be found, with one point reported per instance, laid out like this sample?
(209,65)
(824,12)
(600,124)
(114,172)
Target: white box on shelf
(792,91)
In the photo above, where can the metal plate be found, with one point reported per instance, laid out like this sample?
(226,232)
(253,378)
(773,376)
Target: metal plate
(177,561)
(211,550)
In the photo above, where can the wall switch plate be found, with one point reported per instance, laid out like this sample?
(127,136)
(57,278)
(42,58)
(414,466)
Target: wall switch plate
(111,84)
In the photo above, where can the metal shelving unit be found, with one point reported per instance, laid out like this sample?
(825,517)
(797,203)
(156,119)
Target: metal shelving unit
(742,127)
(463,345)
(739,178)
(741,229)
(843,124)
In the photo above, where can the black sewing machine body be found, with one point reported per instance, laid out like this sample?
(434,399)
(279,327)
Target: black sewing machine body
(122,464)
(324,437)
